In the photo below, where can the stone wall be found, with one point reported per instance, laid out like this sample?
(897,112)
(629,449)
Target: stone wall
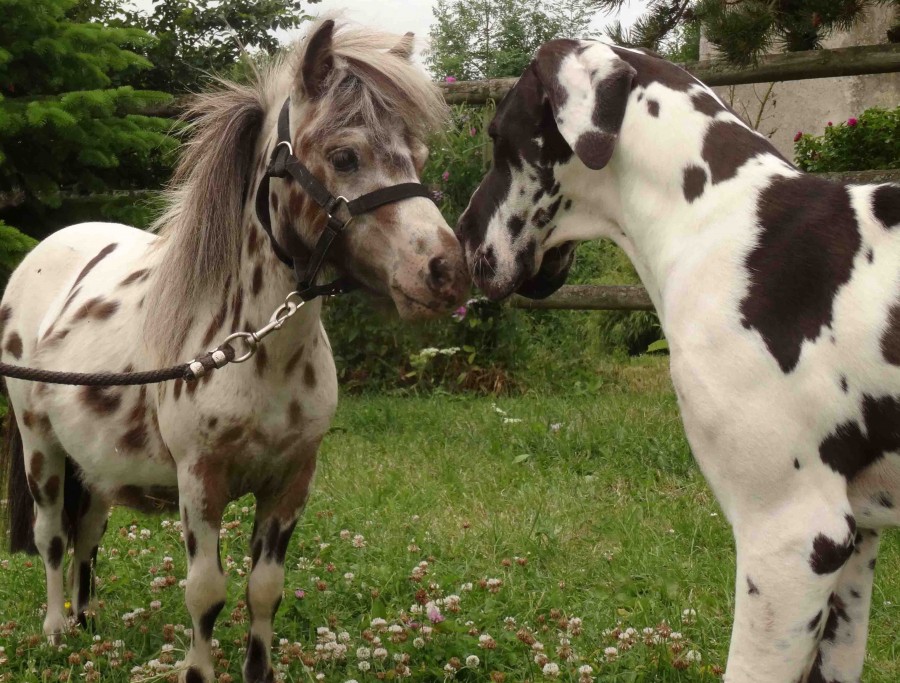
(780,110)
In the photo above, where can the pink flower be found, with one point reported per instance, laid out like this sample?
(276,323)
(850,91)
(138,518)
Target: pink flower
(446,176)
(830,123)
(460,313)
(852,121)
(434,614)
(449,79)
(798,136)
(299,594)
(472,132)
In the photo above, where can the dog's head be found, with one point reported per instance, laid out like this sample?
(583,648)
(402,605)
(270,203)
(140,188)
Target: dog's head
(567,108)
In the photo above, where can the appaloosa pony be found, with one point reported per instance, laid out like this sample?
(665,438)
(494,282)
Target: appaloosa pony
(779,293)
(107,297)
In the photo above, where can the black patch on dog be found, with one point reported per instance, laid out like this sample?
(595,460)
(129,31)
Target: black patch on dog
(55,552)
(208,620)
(807,242)
(814,622)
(752,589)
(191,544)
(796,464)
(885,500)
(870,256)
(843,384)
(849,450)
(271,542)
(886,204)
(706,103)
(872,563)
(284,538)
(890,338)
(828,555)
(693,183)
(84,585)
(728,145)
(837,613)
(515,225)
(655,70)
(855,593)
(255,668)
(653,108)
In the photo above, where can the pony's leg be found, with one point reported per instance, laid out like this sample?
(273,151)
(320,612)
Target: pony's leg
(201,493)
(789,558)
(276,517)
(89,529)
(843,645)
(46,467)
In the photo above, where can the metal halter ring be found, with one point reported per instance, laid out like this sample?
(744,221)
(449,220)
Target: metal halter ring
(250,342)
(287,144)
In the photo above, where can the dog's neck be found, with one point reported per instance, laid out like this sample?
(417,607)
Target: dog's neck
(669,189)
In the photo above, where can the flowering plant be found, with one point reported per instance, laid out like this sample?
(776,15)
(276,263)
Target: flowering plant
(869,141)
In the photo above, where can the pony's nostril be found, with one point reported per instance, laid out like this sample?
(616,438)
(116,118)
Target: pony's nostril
(438,272)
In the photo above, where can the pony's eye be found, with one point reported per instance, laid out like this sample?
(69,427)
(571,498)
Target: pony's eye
(345,160)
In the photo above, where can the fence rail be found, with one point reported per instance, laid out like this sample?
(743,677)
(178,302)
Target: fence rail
(791,66)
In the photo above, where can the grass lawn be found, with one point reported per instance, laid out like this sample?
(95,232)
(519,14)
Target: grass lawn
(557,520)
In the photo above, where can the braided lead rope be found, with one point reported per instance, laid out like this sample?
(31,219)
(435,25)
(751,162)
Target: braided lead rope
(191,371)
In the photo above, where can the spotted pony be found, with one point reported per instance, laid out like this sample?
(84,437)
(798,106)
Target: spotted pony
(779,294)
(104,297)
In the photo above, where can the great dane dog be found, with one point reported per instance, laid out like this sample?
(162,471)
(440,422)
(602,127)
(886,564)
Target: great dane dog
(779,293)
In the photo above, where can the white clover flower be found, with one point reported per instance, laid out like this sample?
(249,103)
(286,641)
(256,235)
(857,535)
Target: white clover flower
(466,586)
(395,628)
(415,609)
(364,666)
(320,676)
(145,534)
(380,653)
(426,630)
(363,653)
(472,661)
(359,541)
(348,576)
(378,623)
(586,670)
(345,534)
(610,653)
(344,637)
(689,615)
(551,670)
(352,680)
(449,669)
(419,643)
(119,644)
(537,646)
(322,630)
(648,631)
(167,647)
(156,605)
(675,635)
(692,656)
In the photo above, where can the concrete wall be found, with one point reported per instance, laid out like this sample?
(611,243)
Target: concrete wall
(808,106)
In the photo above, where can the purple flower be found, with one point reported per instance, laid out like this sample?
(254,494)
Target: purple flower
(852,121)
(460,313)
(449,79)
(437,196)
(472,132)
(446,176)
(434,614)
(798,136)
(299,594)
(830,123)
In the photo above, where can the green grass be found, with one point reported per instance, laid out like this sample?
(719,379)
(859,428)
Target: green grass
(595,491)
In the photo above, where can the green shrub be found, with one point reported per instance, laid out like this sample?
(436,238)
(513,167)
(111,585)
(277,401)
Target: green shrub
(871,141)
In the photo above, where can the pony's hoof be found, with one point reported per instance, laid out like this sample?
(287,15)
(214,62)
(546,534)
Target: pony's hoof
(55,627)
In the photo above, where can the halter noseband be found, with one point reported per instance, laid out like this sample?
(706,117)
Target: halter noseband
(282,164)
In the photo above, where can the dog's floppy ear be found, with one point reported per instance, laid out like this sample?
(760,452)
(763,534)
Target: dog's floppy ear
(588,87)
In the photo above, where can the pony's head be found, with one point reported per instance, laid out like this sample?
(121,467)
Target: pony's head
(360,112)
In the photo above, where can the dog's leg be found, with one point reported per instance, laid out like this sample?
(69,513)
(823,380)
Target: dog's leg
(843,645)
(789,560)
(89,529)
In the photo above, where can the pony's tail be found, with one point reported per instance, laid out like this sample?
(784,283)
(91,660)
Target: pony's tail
(17,516)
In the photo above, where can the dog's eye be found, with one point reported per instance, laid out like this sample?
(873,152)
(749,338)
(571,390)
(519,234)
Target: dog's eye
(345,160)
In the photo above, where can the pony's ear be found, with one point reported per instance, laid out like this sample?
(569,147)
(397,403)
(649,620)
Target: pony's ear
(588,87)
(318,61)
(404,46)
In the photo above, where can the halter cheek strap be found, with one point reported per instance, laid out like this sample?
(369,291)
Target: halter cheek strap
(283,164)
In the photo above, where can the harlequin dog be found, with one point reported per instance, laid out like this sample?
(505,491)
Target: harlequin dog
(779,294)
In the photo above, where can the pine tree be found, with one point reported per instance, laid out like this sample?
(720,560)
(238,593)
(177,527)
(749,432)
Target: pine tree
(472,39)
(741,29)
(64,124)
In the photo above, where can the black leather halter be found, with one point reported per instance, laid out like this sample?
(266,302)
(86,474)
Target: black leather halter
(282,164)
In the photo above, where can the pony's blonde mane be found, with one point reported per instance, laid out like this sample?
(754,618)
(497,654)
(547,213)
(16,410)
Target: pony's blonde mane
(202,223)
